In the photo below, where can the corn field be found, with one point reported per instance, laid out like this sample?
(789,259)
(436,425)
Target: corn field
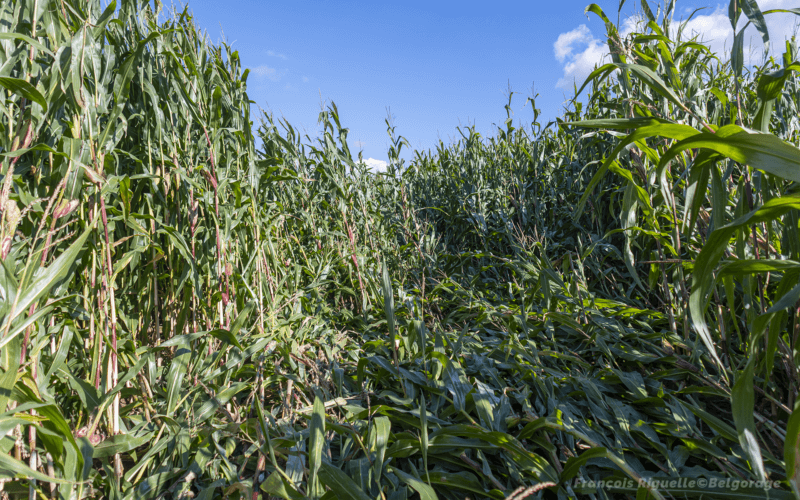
(200,303)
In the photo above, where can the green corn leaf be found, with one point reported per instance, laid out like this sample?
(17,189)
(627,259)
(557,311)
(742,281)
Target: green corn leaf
(462,481)
(105,17)
(770,86)
(381,429)
(643,73)
(703,280)
(786,300)
(239,322)
(423,418)
(219,399)
(388,308)
(791,451)
(30,320)
(11,468)
(734,11)
(176,375)
(150,487)
(762,151)
(742,402)
(227,336)
(647,11)
(652,128)
(574,464)
(458,385)
(315,442)
(276,486)
(737,54)
(425,492)
(46,280)
(755,16)
(340,483)
(23,89)
(751,266)
(595,9)
(86,391)
(701,169)
(120,443)
(19,36)
(9,358)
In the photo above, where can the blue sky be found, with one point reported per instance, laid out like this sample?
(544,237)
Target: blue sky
(436,64)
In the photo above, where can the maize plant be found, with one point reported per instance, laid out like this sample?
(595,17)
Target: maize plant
(199,304)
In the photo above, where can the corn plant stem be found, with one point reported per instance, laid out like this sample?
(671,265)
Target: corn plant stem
(113,365)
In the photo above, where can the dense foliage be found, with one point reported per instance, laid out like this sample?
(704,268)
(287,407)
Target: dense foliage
(191,312)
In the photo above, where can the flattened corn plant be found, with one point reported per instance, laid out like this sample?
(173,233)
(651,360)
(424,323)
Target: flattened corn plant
(613,296)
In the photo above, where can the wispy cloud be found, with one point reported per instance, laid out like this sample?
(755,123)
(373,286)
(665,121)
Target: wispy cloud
(269,73)
(272,53)
(305,79)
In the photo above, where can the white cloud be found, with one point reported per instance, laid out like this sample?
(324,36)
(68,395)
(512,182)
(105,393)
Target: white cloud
(579,51)
(269,73)
(714,30)
(633,23)
(564,45)
(375,165)
(272,53)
